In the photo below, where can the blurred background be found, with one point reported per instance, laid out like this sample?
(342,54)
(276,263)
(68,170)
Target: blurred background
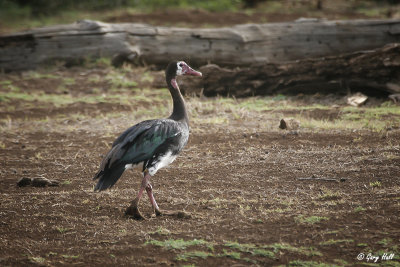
(24,14)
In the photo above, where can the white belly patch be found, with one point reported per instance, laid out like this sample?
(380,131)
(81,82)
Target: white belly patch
(162,162)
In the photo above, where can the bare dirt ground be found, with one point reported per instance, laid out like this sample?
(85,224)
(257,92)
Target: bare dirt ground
(322,195)
(240,178)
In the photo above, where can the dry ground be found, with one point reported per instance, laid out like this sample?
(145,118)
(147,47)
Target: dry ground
(239,177)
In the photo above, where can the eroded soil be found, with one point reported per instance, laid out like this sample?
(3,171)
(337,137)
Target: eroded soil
(256,195)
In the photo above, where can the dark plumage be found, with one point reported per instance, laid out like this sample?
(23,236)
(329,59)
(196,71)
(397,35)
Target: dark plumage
(152,143)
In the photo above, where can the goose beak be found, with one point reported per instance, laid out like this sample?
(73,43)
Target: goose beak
(193,72)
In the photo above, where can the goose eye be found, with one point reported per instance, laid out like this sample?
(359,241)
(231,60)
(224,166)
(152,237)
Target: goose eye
(181,65)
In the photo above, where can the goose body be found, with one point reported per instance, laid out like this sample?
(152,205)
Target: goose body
(150,144)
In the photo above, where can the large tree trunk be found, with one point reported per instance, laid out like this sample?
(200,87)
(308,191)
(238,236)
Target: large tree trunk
(372,72)
(240,45)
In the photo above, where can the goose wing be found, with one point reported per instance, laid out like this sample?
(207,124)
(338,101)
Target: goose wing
(135,145)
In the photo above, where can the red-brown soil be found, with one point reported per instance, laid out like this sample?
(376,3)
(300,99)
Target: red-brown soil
(239,180)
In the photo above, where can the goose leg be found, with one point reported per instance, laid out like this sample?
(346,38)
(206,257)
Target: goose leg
(149,190)
(158,212)
(133,209)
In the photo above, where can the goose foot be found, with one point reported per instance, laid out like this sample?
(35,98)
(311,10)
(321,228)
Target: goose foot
(133,211)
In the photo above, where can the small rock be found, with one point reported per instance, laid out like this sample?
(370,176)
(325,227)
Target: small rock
(24,181)
(40,182)
(289,124)
(357,99)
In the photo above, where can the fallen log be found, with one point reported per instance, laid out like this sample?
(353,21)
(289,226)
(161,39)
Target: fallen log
(241,45)
(374,72)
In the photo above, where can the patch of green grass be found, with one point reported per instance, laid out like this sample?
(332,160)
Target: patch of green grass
(370,264)
(370,11)
(341,262)
(308,251)
(311,219)
(102,62)
(161,231)
(374,118)
(269,103)
(212,120)
(335,242)
(19,18)
(176,243)
(385,241)
(59,100)
(38,75)
(362,245)
(62,230)
(300,263)
(327,124)
(333,232)
(120,81)
(359,209)
(222,5)
(202,254)
(9,86)
(5,82)
(39,260)
(94,78)
(263,253)
(69,81)
(395,249)
(279,97)
(240,247)
(375,184)
(278,210)
(70,256)
(248,248)
(328,194)
(276,248)
(14,95)
(193,254)
(147,77)
(231,254)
